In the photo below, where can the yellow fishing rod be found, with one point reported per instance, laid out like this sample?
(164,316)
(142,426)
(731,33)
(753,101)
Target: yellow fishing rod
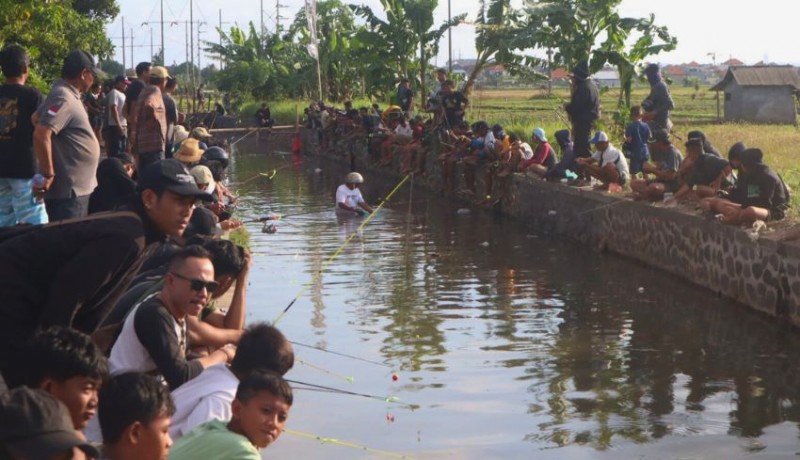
(330,259)
(352,445)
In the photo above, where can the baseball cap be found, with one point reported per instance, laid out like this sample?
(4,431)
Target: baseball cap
(659,135)
(34,424)
(121,79)
(77,60)
(202,175)
(170,175)
(200,133)
(538,133)
(159,72)
(179,134)
(599,136)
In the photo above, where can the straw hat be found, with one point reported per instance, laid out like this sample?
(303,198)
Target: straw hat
(189,152)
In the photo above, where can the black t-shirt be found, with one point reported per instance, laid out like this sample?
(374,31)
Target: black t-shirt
(17,105)
(171,109)
(452,103)
(706,170)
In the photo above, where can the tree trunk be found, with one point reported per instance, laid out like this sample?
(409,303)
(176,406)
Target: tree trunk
(423,70)
(480,64)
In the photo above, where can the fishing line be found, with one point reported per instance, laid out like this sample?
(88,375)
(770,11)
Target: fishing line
(386,399)
(346,378)
(318,274)
(339,354)
(352,445)
(252,130)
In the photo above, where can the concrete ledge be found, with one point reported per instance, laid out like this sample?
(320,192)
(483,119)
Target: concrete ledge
(761,273)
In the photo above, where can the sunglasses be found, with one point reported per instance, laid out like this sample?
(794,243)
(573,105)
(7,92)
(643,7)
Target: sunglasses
(198,285)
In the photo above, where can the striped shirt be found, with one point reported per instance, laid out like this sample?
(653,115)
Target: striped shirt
(151,126)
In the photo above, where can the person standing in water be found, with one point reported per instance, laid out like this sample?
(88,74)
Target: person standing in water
(348,196)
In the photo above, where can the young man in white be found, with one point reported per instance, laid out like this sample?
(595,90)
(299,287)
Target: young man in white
(607,164)
(348,196)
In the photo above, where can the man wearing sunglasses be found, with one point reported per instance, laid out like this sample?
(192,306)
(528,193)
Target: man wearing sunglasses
(154,337)
(64,141)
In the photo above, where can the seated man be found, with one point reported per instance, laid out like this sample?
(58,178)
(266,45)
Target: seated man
(498,173)
(760,194)
(664,165)
(134,413)
(543,159)
(258,417)
(483,149)
(68,365)
(607,164)
(209,396)
(567,162)
(454,148)
(154,337)
(414,152)
(706,175)
(35,425)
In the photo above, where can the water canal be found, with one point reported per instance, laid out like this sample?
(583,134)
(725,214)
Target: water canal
(507,344)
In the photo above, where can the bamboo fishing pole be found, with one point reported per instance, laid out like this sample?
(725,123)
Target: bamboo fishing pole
(352,445)
(336,254)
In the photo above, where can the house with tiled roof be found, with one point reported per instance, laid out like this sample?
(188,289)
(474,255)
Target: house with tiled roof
(760,94)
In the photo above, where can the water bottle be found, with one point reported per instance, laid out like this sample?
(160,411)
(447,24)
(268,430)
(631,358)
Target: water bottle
(38,183)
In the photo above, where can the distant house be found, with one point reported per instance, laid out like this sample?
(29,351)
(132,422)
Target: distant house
(760,94)
(607,78)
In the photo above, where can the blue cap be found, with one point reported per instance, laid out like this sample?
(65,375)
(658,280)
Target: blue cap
(538,133)
(599,137)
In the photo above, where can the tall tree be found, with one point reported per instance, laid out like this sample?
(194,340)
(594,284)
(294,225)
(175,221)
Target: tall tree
(594,30)
(49,30)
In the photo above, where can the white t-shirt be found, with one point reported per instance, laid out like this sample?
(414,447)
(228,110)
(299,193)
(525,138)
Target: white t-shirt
(118,100)
(527,150)
(612,155)
(349,197)
(202,399)
(404,130)
(128,354)
(489,142)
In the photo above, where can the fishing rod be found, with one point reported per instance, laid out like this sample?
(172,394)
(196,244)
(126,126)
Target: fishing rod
(252,130)
(386,399)
(346,378)
(352,445)
(339,354)
(318,274)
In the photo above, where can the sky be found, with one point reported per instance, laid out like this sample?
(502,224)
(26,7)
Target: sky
(707,30)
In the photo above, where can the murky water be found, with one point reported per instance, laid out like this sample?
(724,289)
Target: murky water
(506,344)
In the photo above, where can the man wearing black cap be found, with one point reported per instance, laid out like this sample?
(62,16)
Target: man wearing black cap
(583,109)
(35,425)
(658,103)
(64,141)
(116,129)
(72,273)
(704,174)
(760,194)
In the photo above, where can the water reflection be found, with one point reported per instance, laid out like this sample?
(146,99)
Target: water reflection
(509,341)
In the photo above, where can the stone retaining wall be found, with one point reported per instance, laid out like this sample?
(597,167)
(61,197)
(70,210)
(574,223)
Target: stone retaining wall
(762,273)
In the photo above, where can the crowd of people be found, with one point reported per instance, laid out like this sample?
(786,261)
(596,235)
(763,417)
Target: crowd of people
(125,309)
(647,161)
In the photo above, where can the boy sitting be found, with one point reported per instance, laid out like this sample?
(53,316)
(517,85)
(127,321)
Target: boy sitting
(259,414)
(68,365)
(209,396)
(606,164)
(135,411)
(706,174)
(760,194)
(665,164)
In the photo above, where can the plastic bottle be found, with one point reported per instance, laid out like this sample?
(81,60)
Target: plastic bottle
(38,183)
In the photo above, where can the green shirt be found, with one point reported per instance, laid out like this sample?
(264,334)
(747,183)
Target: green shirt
(213,441)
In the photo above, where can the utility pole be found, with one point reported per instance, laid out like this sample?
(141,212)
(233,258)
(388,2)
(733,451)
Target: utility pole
(278,16)
(262,17)
(449,41)
(152,52)
(124,61)
(220,38)
(191,54)
(132,60)
(163,51)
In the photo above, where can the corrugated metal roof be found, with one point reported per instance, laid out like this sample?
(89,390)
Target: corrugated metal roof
(761,76)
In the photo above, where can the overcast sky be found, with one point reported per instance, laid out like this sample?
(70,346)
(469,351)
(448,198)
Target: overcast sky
(763,30)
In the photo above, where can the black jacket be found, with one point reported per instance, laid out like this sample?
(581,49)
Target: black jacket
(115,188)
(584,106)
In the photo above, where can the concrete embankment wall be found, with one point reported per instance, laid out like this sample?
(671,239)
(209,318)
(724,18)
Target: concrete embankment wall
(762,273)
